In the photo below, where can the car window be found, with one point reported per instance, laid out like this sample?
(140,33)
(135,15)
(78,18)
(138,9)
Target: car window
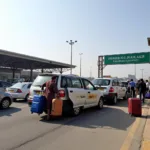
(29,86)
(76,83)
(69,82)
(114,82)
(88,85)
(41,79)
(1,85)
(101,82)
(63,82)
(18,85)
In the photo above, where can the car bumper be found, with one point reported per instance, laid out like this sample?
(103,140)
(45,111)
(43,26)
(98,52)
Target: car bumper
(109,96)
(17,96)
(30,102)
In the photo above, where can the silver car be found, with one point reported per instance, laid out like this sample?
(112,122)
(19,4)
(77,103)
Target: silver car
(20,90)
(5,100)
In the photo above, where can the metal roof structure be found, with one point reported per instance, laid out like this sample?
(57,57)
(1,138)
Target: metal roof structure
(21,61)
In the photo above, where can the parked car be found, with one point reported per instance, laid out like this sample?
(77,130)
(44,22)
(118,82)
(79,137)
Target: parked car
(4,85)
(77,93)
(5,100)
(20,90)
(112,89)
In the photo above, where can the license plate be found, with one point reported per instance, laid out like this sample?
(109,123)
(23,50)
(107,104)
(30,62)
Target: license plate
(11,91)
(101,89)
(39,93)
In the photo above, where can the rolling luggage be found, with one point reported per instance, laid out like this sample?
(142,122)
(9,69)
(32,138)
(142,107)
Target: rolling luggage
(134,106)
(147,95)
(38,104)
(57,106)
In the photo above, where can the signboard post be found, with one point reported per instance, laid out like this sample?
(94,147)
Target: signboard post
(134,58)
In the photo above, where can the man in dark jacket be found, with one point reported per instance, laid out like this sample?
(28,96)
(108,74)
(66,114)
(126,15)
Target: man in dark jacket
(142,89)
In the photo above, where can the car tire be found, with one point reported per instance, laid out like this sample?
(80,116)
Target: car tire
(14,99)
(26,98)
(115,100)
(5,103)
(126,96)
(76,111)
(100,103)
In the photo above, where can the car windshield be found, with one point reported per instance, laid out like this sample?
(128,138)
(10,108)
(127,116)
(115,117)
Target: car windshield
(101,82)
(125,84)
(40,80)
(18,85)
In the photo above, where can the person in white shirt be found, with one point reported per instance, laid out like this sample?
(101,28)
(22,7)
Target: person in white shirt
(147,86)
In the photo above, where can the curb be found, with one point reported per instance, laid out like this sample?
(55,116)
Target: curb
(145,143)
(135,135)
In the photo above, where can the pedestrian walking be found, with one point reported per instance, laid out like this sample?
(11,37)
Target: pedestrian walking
(147,86)
(142,90)
(137,87)
(132,86)
(50,93)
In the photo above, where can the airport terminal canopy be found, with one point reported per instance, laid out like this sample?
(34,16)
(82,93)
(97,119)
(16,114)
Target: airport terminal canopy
(21,61)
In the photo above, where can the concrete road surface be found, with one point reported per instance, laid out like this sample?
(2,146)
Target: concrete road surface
(93,129)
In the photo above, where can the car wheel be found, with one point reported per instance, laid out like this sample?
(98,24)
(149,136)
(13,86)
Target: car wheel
(76,111)
(14,99)
(115,99)
(5,103)
(27,96)
(126,96)
(100,103)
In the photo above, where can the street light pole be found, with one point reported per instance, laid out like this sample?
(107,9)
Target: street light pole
(71,43)
(80,62)
(142,72)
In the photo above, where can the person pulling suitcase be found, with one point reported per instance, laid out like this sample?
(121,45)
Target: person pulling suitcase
(50,92)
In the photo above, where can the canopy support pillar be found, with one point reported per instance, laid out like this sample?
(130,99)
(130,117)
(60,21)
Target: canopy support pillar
(31,75)
(13,73)
(61,71)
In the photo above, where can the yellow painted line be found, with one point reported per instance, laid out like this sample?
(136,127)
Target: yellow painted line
(146,145)
(128,140)
(127,143)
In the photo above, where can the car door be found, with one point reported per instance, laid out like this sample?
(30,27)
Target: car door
(115,85)
(92,96)
(121,90)
(124,89)
(76,91)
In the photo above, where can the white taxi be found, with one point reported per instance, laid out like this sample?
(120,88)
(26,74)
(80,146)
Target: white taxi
(77,93)
(112,88)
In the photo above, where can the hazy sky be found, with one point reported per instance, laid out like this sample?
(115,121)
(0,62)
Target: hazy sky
(41,28)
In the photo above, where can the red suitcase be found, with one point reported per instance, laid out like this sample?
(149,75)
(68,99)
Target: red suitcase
(134,106)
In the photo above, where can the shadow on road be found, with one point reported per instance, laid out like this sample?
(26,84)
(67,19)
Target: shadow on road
(9,112)
(91,118)
(20,101)
(121,103)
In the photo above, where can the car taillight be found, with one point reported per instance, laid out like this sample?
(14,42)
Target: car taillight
(111,90)
(19,91)
(61,93)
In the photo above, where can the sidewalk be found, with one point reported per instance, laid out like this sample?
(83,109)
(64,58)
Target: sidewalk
(145,145)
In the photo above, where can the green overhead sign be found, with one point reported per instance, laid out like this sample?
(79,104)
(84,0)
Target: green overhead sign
(134,58)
